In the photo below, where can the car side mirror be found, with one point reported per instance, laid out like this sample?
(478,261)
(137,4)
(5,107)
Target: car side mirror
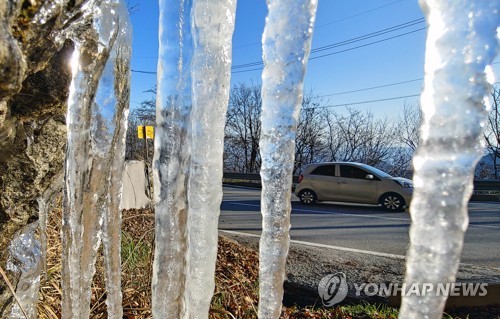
(369,176)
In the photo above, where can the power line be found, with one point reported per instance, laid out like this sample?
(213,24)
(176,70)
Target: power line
(370,35)
(349,41)
(359,102)
(367,44)
(371,88)
(337,52)
(358,14)
(341,51)
(337,44)
(144,72)
(362,102)
(367,102)
(330,23)
(379,87)
(313,58)
(368,88)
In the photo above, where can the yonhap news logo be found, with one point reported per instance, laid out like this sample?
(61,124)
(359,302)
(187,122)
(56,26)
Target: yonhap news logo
(333,289)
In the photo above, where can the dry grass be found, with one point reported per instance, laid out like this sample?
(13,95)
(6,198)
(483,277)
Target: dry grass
(236,274)
(49,304)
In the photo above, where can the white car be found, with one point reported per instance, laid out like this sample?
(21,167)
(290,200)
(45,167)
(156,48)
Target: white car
(353,183)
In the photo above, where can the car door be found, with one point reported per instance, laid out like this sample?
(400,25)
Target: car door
(354,187)
(323,181)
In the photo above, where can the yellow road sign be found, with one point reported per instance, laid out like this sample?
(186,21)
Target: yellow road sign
(150,131)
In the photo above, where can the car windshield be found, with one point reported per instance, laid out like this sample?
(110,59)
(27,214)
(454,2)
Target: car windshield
(376,171)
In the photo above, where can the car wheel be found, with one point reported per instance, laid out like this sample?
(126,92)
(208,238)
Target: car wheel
(307,197)
(392,202)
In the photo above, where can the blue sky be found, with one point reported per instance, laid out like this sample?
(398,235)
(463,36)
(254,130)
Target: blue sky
(363,64)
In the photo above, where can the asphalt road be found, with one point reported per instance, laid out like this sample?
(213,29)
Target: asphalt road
(366,228)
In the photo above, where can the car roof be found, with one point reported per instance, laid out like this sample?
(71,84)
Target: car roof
(336,163)
(308,168)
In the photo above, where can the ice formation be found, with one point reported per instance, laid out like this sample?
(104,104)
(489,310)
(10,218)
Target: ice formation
(171,157)
(96,120)
(115,100)
(212,28)
(462,42)
(25,260)
(193,82)
(286,45)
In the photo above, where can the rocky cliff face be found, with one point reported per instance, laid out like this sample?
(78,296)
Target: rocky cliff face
(34,83)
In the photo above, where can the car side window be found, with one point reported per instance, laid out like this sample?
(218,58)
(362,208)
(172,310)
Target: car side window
(325,170)
(352,172)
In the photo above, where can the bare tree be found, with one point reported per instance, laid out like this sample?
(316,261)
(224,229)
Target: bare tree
(322,135)
(359,137)
(310,141)
(492,133)
(407,132)
(242,133)
(409,126)
(145,114)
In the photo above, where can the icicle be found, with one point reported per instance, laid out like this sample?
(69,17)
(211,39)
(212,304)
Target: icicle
(171,159)
(80,224)
(181,289)
(461,44)
(94,158)
(212,27)
(286,45)
(43,211)
(25,259)
(117,102)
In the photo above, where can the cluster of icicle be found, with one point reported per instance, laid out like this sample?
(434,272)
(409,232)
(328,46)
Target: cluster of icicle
(96,125)
(96,122)
(193,87)
(193,90)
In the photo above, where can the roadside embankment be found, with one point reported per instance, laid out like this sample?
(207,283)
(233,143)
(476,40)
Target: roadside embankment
(308,264)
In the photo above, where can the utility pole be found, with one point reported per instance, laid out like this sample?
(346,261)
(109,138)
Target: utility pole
(146,162)
(146,132)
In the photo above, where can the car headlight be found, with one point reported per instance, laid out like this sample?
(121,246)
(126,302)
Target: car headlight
(404,184)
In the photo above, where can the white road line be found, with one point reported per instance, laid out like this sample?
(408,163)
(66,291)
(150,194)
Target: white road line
(323,212)
(241,187)
(352,250)
(354,215)
(484,226)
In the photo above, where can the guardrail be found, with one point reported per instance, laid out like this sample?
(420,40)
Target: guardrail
(487,185)
(253,177)
(484,190)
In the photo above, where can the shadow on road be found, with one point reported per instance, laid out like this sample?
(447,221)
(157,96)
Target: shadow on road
(366,226)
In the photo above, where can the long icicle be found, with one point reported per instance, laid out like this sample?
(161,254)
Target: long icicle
(286,45)
(212,26)
(119,75)
(81,222)
(461,44)
(173,106)
(89,157)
